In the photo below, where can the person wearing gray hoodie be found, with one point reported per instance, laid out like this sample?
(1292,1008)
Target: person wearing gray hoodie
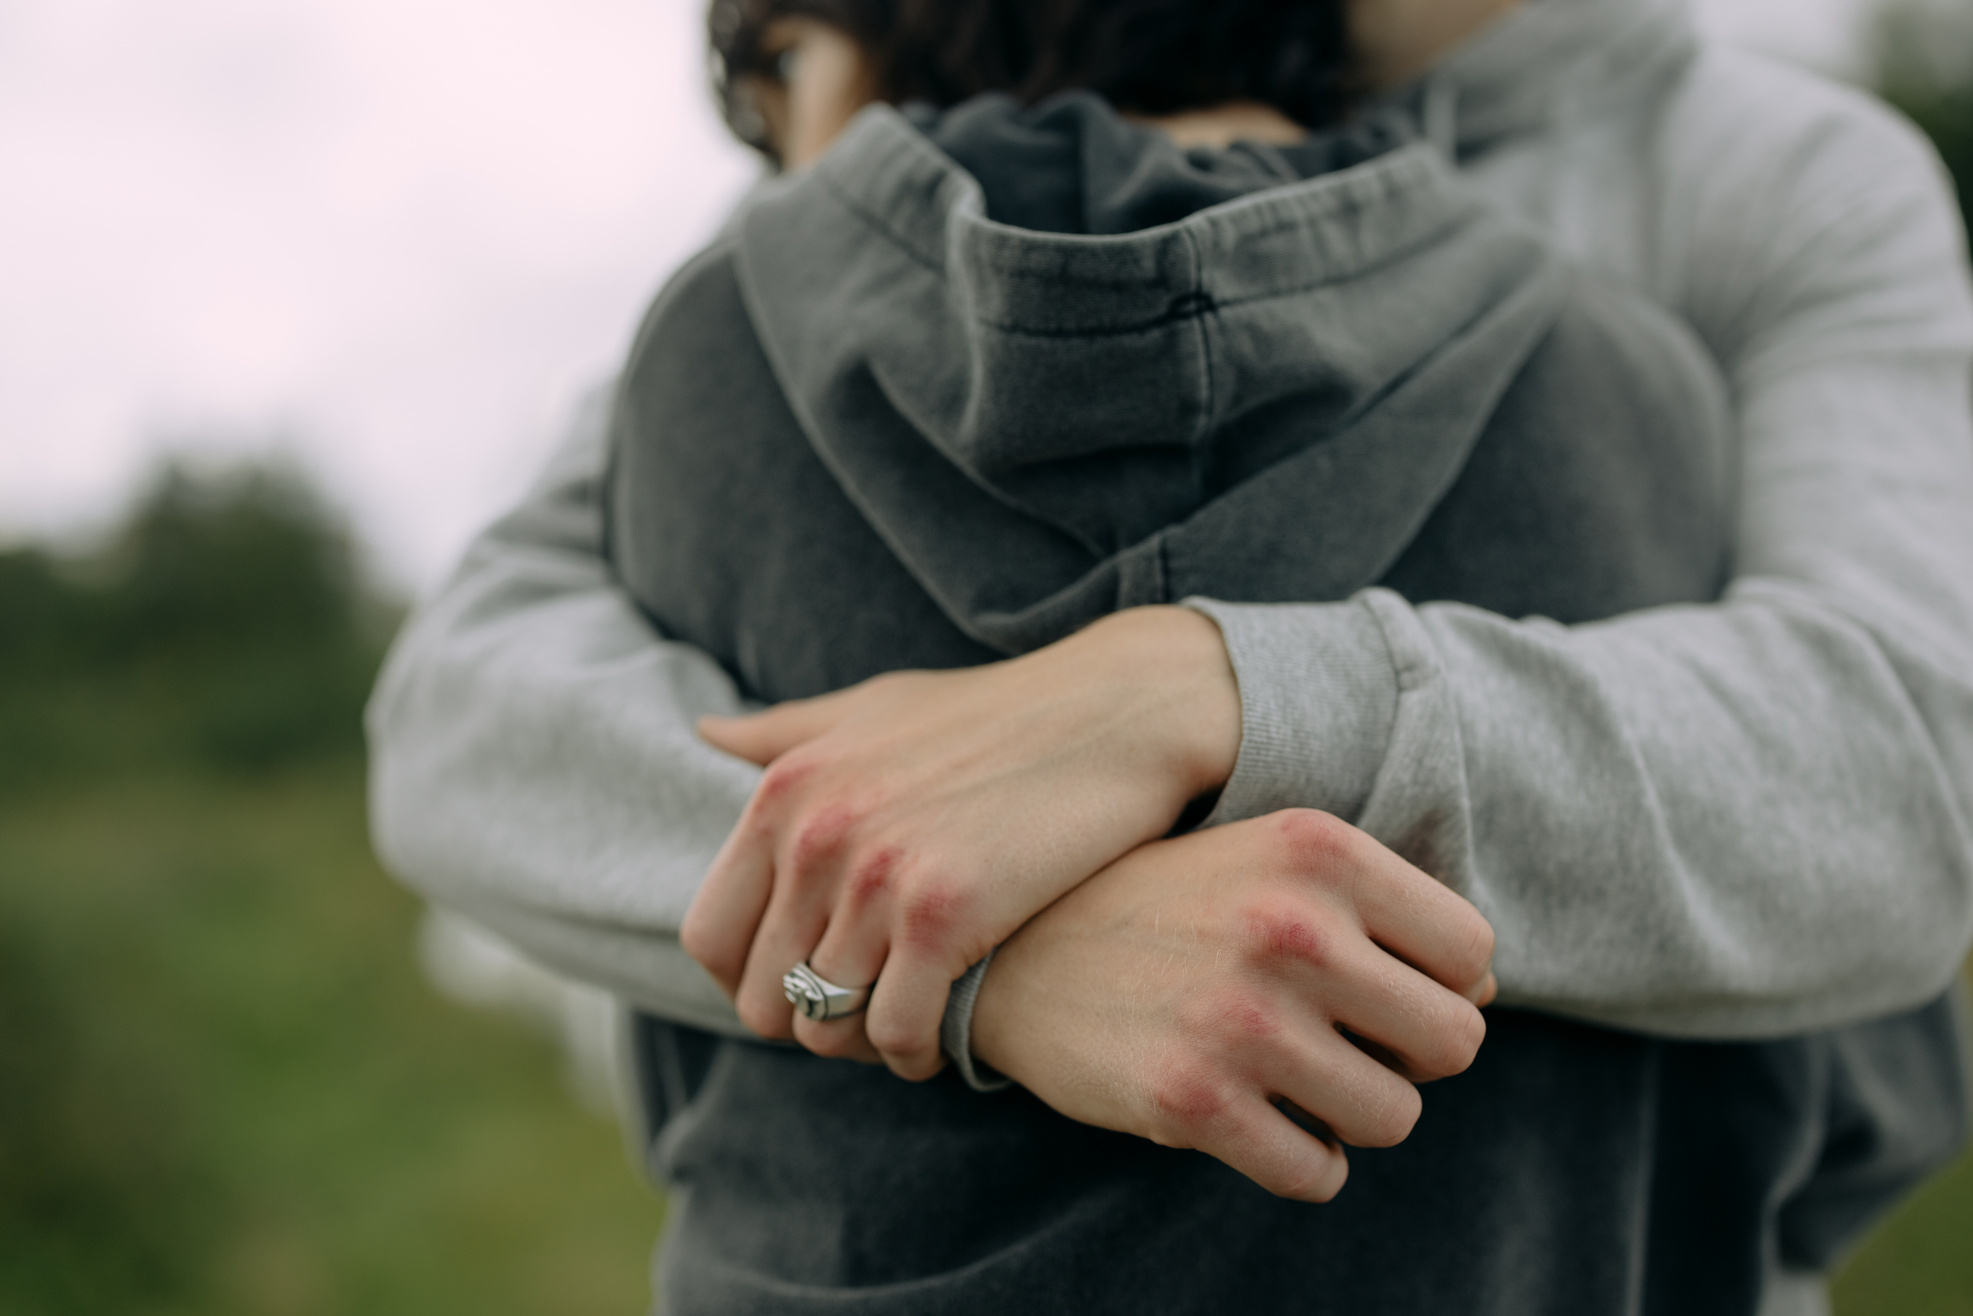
(1731,876)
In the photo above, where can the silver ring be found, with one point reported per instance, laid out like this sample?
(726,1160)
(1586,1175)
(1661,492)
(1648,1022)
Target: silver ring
(817,997)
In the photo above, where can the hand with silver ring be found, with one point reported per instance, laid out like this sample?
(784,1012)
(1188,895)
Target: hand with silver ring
(908,825)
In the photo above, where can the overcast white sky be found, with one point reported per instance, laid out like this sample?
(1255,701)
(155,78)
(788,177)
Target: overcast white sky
(395,236)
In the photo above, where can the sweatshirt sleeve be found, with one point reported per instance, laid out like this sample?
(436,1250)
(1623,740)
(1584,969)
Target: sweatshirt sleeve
(1733,820)
(533,763)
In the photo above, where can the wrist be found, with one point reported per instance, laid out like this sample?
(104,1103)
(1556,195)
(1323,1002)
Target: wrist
(1191,699)
(990,1024)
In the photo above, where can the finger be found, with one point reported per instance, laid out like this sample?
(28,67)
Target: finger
(1424,922)
(719,925)
(837,1039)
(794,922)
(1363,1102)
(851,954)
(1264,1144)
(1483,995)
(905,1012)
(763,737)
(1431,1032)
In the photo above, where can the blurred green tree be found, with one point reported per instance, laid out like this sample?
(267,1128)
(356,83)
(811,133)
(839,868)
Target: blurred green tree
(225,624)
(1925,68)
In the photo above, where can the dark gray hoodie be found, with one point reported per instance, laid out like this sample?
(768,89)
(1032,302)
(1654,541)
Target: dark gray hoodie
(878,428)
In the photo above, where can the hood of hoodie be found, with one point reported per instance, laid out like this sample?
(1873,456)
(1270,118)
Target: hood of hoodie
(1052,333)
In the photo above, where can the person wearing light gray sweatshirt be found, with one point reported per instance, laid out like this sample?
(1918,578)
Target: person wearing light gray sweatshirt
(1777,839)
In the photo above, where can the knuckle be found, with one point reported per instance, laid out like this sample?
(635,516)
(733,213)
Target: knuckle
(783,778)
(1391,1120)
(834,1042)
(1313,842)
(710,950)
(696,937)
(913,1067)
(1310,1181)
(820,836)
(1187,1101)
(893,1037)
(1478,946)
(763,1016)
(931,910)
(1226,1023)
(1456,1040)
(1243,1018)
(1275,928)
(872,877)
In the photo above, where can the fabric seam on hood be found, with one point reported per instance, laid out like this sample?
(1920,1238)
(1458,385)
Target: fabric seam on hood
(847,201)
(1209,401)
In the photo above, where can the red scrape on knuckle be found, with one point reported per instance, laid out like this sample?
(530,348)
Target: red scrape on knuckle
(1249,1019)
(1229,1020)
(783,777)
(1186,1101)
(873,875)
(1314,841)
(931,911)
(821,835)
(1276,928)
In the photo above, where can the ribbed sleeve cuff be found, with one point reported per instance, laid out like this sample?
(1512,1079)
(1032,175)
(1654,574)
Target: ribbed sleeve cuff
(1318,699)
(956,1031)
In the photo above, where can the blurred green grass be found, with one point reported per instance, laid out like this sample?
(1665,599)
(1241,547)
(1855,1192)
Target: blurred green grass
(227,1088)
(1920,1262)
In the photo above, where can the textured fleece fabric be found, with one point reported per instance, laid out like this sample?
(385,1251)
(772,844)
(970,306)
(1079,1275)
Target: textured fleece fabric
(878,429)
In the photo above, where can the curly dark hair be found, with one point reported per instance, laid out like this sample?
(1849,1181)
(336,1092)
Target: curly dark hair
(1149,56)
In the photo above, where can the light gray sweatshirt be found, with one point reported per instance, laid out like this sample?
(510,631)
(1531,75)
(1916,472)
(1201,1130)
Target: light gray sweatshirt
(1735,820)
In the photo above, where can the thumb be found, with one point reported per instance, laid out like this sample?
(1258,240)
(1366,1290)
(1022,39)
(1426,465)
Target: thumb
(763,737)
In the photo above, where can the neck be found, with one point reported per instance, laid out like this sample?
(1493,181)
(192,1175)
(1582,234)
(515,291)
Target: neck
(1397,40)
(1223,125)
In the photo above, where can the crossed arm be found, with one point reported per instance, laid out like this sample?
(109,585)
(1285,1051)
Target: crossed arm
(908,826)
